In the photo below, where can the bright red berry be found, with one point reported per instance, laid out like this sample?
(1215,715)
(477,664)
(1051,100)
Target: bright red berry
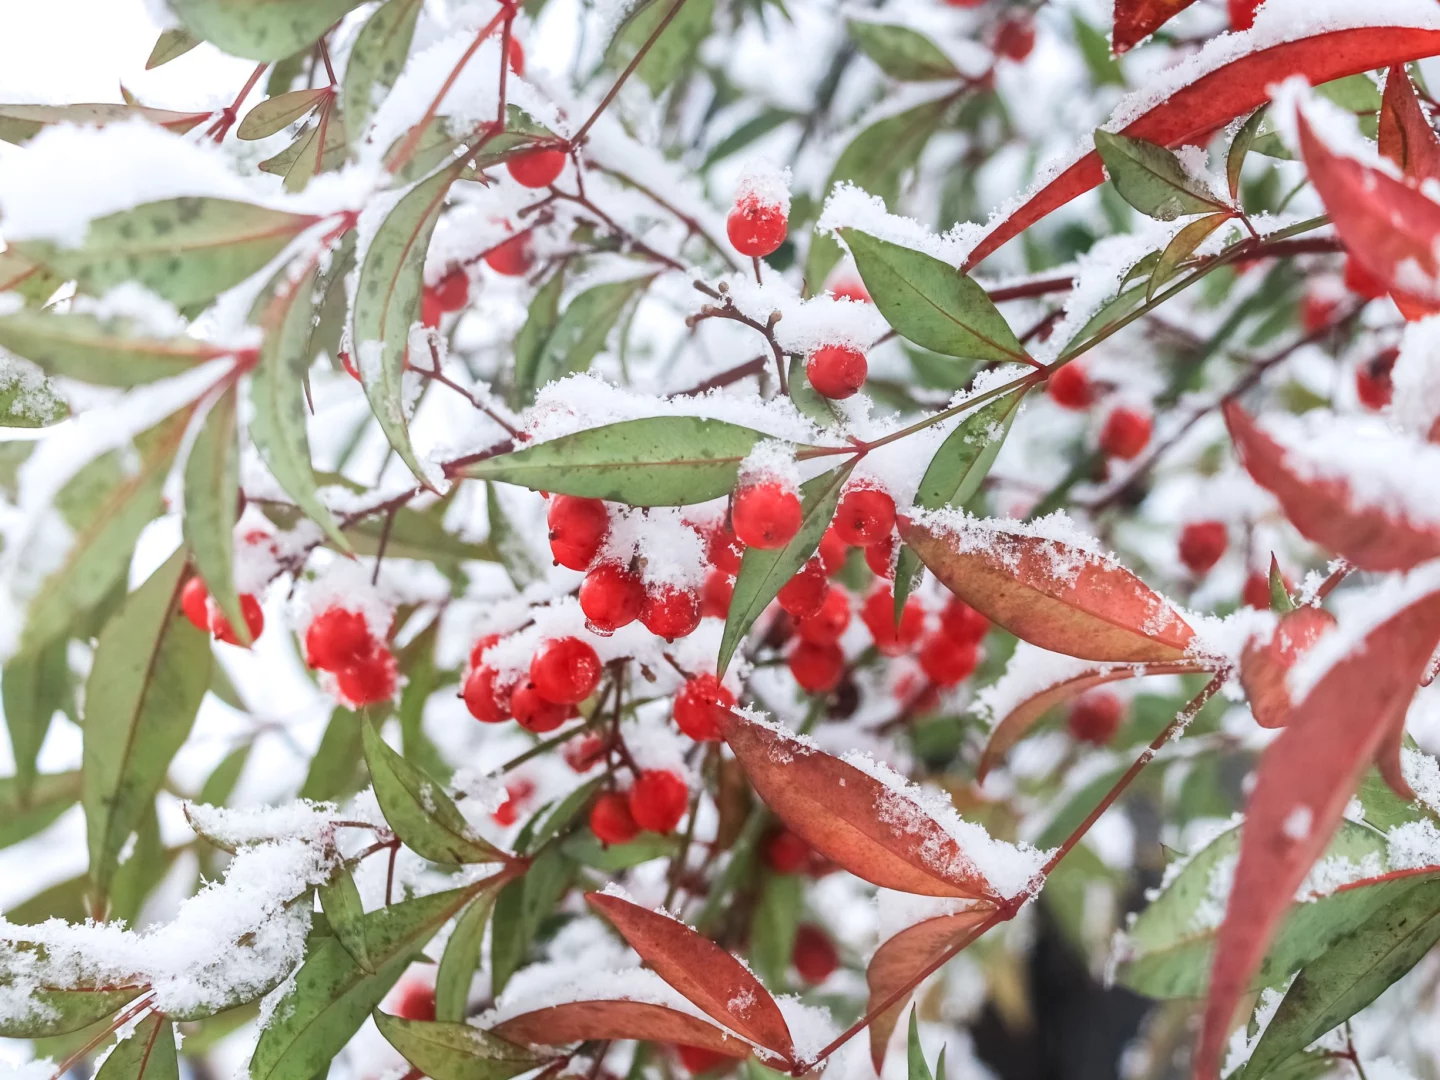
(1070,387)
(755,228)
(516,792)
(836,371)
(611,597)
(513,258)
(611,820)
(698,706)
(477,651)
(565,670)
(850,289)
(487,696)
(832,552)
(535,713)
(658,800)
(697,1059)
(335,638)
(453,290)
(878,614)
(254,620)
(577,529)
(1126,432)
(787,853)
(369,680)
(1373,384)
(880,557)
(766,514)
(584,753)
(962,623)
(1015,37)
(865,516)
(515,55)
(946,661)
(536,168)
(814,954)
(1095,717)
(716,593)
(723,551)
(817,668)
(1361,282)
(1202,543)
(803,594)
(416,1002)
(670,612)
(827,624)
(195,603)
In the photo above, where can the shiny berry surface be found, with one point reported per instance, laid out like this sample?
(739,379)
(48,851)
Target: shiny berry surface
(699,707)
(766,514)
(658,800)
(670,611)
(536,168)
(368,681)
(577,529)
(755,228)
(836,371)
(611,597)
(254,620)
(611,821)
(335,638)
(565,670)
(864,516)
(486,696)
(513,258)
(535,713)
(803,594)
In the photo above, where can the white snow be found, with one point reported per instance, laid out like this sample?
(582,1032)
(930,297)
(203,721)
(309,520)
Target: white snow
(766,183)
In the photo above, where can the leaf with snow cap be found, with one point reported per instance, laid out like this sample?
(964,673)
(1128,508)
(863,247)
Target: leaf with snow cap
(1352,518)
(653,461)
(900,52)
(1304,780)
(60,1010)
(418,809)
(376,60)
(261,29)
(612,1019)
(27,397)
(1265,667)
(930,302)
(874,832)
(211,490)
(148,1053)
(21,123)
(1406,136)
(102,352)
(1136,20)
(187,250)
(1227,88)
(1151,178)
(454,1050)
(700,970)
(1051,593)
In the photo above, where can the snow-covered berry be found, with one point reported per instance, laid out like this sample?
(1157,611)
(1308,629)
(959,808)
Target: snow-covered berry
(670,611)
(565,670)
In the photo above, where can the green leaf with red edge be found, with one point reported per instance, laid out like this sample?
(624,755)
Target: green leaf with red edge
(702,971)
(376,60)
(1181,247)
(1151,178)
(1213,99)
(1324,510)
(455,1050)
(279,112)
(211,490)
(261,29)
(1136,20)
(176,41)
(102,352)
(1051,593)
(855,820)
(1406,136)
(1312,769)
(580,1021)
(898,962)
(148,1053)
(1264,668)
(21,123)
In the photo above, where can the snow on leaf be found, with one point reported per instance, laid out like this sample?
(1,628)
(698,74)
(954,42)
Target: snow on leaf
(102,352)
(1406,136)
(1151,178)
(1265,666)
(21,123)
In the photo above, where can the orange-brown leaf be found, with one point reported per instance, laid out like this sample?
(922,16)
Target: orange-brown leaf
(1304,780)
(700,970)
(1053,594)
(1264,668)
(852,818)
(579,1021)
(1406,137)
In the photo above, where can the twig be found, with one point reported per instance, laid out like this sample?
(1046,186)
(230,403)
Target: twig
(579,137)
(231,112)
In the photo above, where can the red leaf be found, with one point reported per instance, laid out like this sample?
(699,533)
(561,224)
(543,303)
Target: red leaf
(1406,137)
(1135,20)
(1324,510)
(1303,782)
(1219,96)
(701,970)
(579,1021)
(852,818)
(902,958)
(1051,593)
(1263,668)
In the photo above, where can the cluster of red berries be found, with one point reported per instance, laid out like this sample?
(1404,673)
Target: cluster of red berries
(1126,430)
(656,802)
(1095,717)
(200,608)
(339,641)
(563,672)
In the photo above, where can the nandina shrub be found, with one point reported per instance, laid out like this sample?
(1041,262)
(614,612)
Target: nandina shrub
(549,540)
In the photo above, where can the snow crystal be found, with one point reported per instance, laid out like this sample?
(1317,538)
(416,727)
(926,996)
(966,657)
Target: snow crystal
(766,183)
(805,324)
(771,461)
(33,392)
(849,207)
(1422,773)
(1242,1044)
(671,551)
(302,819)
(1222,641)
(1330,874)
(346,584)
(1297,823)
(1413,844)
(1415,406)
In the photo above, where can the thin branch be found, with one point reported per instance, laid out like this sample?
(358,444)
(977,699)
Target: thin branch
(579,137)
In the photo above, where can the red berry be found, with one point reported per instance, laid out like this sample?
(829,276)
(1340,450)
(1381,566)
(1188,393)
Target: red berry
(370,679)
(535,713)
(817,668)
(1070,387)
(803,594)
(430,308)
(565,671)
(697,1059)
(1202,543)
(195,603)
(1373,384)
(486,696)
(515,55)
(254,620)
(658,800)
(1126,432)
(850,289)
(516,792)
(513,258)
(1095,717)
(832,552)
(766,514)
(715,595)
(584,753)
(836,371)
(787,853)
(946,661)
(577,529)
(536,168)
(878,615)
(335,638)
(1015,37)
(723,551)
(477,651)
(755,228)
(611,597)
(814,954)
(962,623)
(611,820)
(1361,282)
(865,516)
(880,557)
(1316,311)
(670,612)
(698,705)
(827,624)
(416,1002)
(453,290)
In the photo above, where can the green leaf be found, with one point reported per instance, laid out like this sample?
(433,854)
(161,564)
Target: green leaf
(914,1053)
(653,461)
(1182,245)
(1353,93)
(32,281)
(261,29)
(1239,149)
(176,41)
(151,670)
(278,398)
(188,250)
(387,302)
(1151,178)
(772,931)
(930,302)
(310,158)
(1352,973)
(340,900)
(612,858)
(900,52)
(148,1054)
(560,817)
(102,352)
(530,342)
(376,60)
(331,996)
(27,398)
(21,123)
(279,112)
(518,554)
(811,404)
(34,685)
(220,784)
(24,812)
(1095,50)
(461,958)
(751,130)
(418,809)
(582,328)
(763,572)
(335,769)
(1280,599)
(212,486)
(520,908)
(455,1051)
(675,46)
(58,1012)
(145,865)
